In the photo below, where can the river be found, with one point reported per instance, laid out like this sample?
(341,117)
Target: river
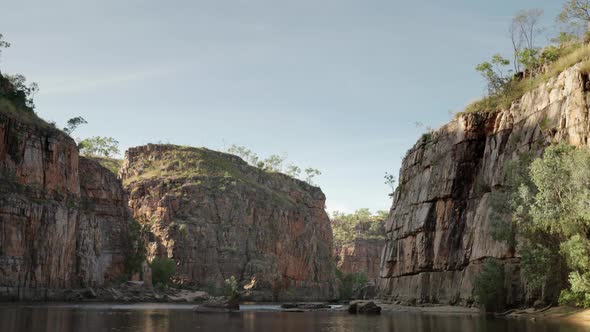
(181,318)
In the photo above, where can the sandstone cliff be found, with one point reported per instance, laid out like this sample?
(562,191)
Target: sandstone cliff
(63,218)
(358,244)
(438,233)
(218,217)
(361,255)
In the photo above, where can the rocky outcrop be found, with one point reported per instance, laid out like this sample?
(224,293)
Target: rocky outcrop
(63,218)
(361,255)
(218,217)
(438,233)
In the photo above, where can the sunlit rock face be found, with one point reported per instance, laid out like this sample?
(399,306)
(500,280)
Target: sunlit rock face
(438,232)
(218,217)
(63,218)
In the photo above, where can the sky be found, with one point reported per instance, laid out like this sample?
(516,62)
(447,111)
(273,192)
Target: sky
(337,85)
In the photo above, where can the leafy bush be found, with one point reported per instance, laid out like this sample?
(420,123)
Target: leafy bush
(350,282)
(489,286)
(551,216)
(163,269)
(135,254)
(361,224)
(99,146)
(232,288)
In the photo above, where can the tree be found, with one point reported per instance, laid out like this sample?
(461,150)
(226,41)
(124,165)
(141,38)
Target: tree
(493,73)
(523,30)
(73,124)
(3,43)
(293,170)
(310,173)
(245,153)
(576,11)
(274,163)
(550,210)
(489,286)
(99,146)
(390,181)
(24,91)
(163,268)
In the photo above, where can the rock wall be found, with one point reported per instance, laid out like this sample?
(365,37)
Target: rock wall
(362,255)
(438,233)
(218,217)
(63,218)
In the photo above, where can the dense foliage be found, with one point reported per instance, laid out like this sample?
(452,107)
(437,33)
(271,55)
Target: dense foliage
(99,146)
(489,286)
(163,269)
(350,282)
(361,224)
(549,223)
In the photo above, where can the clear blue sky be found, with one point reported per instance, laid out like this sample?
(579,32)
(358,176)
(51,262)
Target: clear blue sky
(335,84)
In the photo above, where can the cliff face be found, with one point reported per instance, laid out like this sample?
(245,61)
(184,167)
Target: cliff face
(362,255)
(63,218)
(438,233)
(218,217)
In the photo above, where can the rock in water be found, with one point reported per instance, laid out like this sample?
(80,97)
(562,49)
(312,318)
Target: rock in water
(364,307)
(439,230)
(217,217)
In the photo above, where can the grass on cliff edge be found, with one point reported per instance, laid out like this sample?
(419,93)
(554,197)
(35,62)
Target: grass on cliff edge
(25,116)
(196,164)
(113,165)
(569,56)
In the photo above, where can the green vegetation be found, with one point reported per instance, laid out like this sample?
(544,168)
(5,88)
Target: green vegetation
(390,181)
(73,124)
(489,286)
(163,268)
(135,252)
(532,65)
(99,146)
(549,221)
(113,165)
(232,288)
(274,163)
(208,168)
(3,43)
(350,282)
(361,224)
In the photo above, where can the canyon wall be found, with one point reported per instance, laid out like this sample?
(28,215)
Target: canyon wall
(63,218)
(361,255)
(219,217)
(438,232)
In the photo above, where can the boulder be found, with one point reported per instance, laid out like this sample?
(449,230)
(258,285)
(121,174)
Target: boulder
(364,307)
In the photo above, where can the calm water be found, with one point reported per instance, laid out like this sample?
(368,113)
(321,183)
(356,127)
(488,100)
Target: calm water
(181,318)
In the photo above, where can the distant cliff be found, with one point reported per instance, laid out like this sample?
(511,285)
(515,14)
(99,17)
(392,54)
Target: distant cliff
(358,243)
(218,217)
(438,233)
(63,218)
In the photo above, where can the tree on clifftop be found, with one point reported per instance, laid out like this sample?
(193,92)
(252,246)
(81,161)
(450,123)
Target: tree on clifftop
(99,146)
(3,43)
(576,11)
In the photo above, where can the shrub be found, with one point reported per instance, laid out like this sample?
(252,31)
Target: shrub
(489,286)
(232,288)
(135,248)
(163,269)
(350,282)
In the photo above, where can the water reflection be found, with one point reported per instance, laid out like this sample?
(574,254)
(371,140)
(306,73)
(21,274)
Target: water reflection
(161,318)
